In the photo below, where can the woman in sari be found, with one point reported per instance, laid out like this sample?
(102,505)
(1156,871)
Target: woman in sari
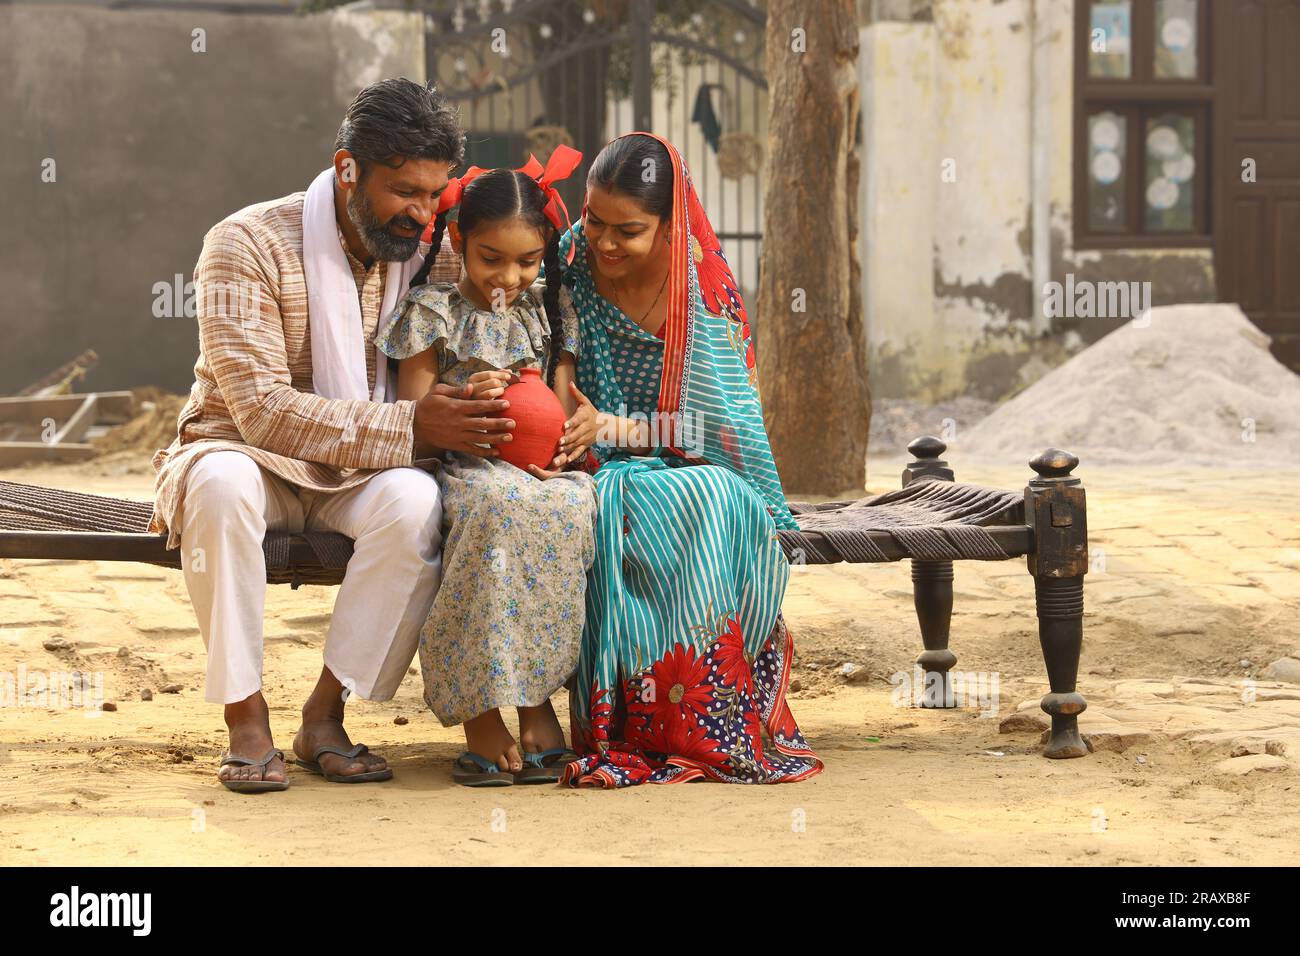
(685,659)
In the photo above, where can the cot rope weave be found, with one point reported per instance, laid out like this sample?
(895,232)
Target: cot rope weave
(275,549)
(332,550)
(35,508)
(930,520)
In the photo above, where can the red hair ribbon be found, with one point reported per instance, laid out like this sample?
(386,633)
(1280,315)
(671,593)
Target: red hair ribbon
(451,197)
(564,160)
(456,187)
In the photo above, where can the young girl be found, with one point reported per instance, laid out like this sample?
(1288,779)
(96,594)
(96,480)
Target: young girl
(507,620)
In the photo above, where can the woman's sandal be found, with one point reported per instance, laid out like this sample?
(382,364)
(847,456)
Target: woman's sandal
(252,786)
(369,776)
(545,767)
(475,770)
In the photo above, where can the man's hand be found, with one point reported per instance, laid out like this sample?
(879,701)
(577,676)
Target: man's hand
(447,418)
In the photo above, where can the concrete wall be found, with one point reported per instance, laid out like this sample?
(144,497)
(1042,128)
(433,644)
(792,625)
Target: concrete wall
(948,250)
(897,62)
(153,143)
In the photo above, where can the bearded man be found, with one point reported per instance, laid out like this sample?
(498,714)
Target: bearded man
(292,424)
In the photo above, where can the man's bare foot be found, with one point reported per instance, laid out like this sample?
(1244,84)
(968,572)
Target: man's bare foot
(322,726)
(250,736)
(539,729)
(487,736)
(329,732)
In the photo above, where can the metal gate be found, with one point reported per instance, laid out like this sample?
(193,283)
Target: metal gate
(529,74)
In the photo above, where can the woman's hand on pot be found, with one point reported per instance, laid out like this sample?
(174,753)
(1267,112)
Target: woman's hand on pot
(580,431)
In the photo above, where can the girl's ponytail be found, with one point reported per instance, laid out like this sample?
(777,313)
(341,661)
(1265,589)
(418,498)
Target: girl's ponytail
(422,277)
(551,298)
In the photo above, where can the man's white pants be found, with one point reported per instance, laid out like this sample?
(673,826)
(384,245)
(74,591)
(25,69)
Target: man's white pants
(395,521)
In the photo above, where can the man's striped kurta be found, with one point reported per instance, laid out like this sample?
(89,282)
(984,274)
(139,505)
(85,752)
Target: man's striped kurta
(252,388)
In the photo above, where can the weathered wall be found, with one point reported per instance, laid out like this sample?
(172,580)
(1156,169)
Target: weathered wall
(153,144)
(899,202)
(981,264)
(949,135)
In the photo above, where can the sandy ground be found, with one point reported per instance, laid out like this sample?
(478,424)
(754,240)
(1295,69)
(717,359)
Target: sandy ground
(1196,590)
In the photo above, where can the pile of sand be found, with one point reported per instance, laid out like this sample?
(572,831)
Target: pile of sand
(896,421)
(131,445)
(1196,384)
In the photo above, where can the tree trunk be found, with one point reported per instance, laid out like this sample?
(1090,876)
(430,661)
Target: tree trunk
(809,337)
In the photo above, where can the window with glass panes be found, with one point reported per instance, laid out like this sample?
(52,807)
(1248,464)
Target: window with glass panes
(1142,113)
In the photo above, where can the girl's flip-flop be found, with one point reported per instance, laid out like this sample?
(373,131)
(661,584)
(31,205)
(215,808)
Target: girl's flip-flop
(252,786)
(545,767)
(475,770)
(369,776)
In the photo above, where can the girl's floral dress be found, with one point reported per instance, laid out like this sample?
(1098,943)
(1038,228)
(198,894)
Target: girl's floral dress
(507,620)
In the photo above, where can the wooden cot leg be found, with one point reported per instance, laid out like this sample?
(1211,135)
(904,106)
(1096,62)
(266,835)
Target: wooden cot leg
(1060,632)
(932,595)
(932,587)
(1056,510)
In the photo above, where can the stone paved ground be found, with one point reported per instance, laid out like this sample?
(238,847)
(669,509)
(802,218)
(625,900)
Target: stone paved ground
(1192,599)
(1192,612)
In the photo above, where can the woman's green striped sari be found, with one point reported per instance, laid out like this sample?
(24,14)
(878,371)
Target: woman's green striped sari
(685,658)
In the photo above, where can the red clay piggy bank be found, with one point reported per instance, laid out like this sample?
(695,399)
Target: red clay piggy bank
(539,422)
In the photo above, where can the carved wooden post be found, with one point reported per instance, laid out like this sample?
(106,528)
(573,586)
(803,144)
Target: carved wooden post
(1056,510)
(932,586)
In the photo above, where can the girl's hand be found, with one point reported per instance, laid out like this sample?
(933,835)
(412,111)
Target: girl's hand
(557,468)
(491,383)
(580,431)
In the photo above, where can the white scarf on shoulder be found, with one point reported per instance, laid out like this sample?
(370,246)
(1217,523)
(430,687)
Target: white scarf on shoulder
(338,347)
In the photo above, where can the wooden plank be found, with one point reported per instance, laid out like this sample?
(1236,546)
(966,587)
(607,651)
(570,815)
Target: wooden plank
(113,408)
(61,379)
(88,546)
(75,428)
(19,452)
(122,546)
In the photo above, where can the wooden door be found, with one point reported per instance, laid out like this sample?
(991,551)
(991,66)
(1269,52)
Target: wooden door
(1257,224)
